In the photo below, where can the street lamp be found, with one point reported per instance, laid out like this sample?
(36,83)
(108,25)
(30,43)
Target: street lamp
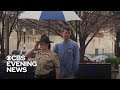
(24,31)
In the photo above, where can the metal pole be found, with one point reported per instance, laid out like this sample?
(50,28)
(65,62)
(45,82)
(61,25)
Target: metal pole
(76,27)
(24,30)
(24,40)
(76,31)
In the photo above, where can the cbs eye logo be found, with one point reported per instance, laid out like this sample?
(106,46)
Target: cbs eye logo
(15,57)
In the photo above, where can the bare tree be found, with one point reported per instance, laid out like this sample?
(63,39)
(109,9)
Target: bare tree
(9,20)
(91,24)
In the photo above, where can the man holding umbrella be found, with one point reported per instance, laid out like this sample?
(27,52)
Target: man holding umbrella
(68,51)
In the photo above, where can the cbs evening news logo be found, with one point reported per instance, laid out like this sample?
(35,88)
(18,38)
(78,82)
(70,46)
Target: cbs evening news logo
(17,63)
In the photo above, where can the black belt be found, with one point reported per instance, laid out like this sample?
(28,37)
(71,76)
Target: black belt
(50,75)
(41,76)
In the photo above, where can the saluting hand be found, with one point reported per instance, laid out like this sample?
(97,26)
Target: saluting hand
(36,45)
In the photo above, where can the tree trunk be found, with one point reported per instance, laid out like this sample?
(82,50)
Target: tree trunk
(7,38)
(82,49)
(2,43)
(18,41)
(82,53)
(2,49)
(117,47)
(18,38)
(72,36)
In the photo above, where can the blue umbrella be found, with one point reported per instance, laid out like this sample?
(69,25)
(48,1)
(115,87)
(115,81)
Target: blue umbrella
(50,15)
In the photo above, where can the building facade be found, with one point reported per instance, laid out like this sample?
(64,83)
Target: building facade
(99,45)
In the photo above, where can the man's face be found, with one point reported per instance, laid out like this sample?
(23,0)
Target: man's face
(43,45)
(66,34)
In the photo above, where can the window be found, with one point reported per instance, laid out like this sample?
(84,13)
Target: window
(96,51)
(103,51)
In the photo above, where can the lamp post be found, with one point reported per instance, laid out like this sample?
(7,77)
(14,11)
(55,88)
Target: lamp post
(24,31)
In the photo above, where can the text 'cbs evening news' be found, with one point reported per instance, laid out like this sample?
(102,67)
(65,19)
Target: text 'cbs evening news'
(18,63)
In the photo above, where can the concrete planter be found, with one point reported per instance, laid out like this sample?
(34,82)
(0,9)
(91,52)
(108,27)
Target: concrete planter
(118,76)
(114,73)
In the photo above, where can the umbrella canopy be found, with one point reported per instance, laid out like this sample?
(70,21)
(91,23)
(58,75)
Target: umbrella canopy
(50,15)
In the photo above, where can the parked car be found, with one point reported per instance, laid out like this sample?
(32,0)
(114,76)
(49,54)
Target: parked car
(18,52)
(100,58)
(88,59)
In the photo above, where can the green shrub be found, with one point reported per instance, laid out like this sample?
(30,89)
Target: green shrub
(114,62)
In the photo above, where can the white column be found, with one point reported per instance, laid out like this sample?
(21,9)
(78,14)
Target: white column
(34,32)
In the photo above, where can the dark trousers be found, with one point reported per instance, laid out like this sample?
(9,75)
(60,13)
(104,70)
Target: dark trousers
(51,75)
